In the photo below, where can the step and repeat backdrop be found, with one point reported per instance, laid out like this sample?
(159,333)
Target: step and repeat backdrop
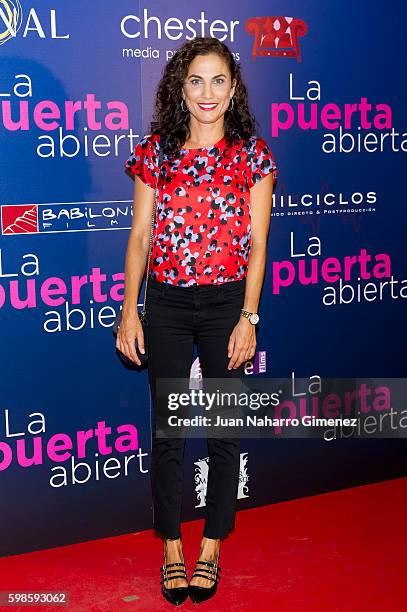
(77,87)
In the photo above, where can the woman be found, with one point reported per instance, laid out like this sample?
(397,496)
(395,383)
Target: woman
(206,272)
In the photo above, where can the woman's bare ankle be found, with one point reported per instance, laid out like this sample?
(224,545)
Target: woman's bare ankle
(174,554)
(209,548)
(173,548)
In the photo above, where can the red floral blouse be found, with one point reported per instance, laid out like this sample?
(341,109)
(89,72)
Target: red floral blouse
(202,232)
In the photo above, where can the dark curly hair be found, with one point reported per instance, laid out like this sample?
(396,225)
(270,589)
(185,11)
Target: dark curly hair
(171,121)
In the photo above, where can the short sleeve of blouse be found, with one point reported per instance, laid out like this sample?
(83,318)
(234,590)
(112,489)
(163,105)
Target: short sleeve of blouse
(260,162)
(144,161)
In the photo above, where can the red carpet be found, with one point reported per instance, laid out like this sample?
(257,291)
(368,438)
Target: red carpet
(342,551)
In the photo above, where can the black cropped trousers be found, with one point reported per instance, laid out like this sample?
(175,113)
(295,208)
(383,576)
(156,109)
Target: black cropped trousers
(178,317)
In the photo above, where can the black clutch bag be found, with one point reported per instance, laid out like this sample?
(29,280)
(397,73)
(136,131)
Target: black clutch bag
(143,313)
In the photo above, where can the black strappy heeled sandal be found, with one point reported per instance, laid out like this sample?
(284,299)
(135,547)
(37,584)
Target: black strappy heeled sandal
(176,595)
(199,593)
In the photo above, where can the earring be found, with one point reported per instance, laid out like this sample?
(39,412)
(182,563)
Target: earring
(233,105)
(184,109)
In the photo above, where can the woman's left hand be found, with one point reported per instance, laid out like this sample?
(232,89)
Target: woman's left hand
(242,343)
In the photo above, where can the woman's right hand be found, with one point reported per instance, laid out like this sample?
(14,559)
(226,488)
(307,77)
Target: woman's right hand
(130,329)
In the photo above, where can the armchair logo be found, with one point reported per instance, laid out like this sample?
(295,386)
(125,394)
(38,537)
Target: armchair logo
(276,36)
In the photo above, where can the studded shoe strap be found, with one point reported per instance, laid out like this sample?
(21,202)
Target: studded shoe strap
(180,572)
(208,563)
(210,574)
(171,565)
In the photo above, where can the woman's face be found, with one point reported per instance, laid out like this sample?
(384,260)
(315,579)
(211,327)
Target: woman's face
(207,89)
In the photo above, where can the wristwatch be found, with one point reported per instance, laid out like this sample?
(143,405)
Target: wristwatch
(252,316)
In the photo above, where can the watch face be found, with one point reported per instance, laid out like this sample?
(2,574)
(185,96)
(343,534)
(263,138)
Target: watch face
(254,318)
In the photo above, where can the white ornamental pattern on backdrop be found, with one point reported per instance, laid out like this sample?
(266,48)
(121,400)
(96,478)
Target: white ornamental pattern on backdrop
(201,479)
